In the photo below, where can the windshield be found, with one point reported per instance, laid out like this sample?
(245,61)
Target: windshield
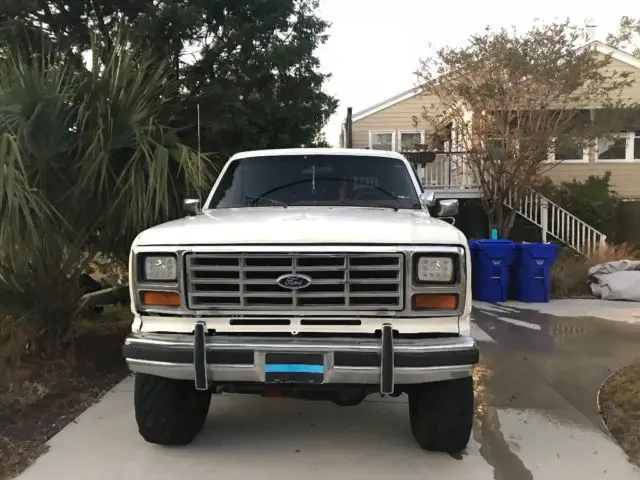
(340,180)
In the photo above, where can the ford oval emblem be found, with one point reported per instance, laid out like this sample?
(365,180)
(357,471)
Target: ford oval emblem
(293,281)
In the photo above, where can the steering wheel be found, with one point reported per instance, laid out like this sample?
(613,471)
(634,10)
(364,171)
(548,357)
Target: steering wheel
(375,190)
(368,194)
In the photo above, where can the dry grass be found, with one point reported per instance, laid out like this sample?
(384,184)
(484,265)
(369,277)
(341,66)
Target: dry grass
(611,253)
(620,408)
(19,375)
(569,276)
(570,271)
(38,398)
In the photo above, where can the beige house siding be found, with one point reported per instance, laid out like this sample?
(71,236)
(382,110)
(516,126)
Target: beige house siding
(632,92)
(398,117)
(625,178)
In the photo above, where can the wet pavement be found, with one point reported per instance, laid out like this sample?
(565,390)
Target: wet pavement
(573,355)
(536,417)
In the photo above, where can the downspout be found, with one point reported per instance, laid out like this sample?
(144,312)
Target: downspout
(349,128)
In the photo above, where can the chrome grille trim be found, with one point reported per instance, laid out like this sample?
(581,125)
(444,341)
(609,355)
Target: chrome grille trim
(363,281)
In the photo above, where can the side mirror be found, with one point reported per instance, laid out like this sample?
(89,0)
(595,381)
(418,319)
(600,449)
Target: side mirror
(427,199)
(192,206)
(447,208)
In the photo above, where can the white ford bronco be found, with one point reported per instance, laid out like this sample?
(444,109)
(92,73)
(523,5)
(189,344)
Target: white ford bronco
(316,274)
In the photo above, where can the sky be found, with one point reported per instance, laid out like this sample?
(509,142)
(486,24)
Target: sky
(374,46)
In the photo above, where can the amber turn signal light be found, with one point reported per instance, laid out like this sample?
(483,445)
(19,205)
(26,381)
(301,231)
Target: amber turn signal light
(435,302)
(161,299)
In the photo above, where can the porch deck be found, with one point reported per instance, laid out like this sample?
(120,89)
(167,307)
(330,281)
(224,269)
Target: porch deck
(448,176)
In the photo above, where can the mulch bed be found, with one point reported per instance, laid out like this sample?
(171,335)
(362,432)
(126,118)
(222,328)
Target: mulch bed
(620,408)
(52,394)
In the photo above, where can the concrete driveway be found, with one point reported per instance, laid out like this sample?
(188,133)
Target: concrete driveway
(536,417)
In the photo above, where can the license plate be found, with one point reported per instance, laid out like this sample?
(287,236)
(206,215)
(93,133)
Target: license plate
(294,367)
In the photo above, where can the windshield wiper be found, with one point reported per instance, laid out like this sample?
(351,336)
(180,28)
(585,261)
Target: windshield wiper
(388,207)
(255,200)
(386,192)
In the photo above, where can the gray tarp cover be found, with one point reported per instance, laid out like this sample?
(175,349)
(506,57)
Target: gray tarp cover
(618,280)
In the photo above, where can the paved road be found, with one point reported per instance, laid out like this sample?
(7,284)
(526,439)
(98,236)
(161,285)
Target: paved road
(536,419)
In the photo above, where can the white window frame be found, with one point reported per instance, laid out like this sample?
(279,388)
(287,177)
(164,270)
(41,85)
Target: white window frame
(551,157)
(629,145)
(387,132)
(401,132)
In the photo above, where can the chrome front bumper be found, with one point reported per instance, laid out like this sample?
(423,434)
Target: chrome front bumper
(214,359)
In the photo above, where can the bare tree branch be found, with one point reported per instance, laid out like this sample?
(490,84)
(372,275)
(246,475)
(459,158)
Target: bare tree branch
(516,99)
(628,36)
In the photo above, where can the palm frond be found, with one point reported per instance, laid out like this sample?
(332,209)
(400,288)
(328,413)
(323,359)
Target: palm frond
(86,164)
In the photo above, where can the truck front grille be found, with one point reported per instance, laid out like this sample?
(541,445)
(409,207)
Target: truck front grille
(339,281)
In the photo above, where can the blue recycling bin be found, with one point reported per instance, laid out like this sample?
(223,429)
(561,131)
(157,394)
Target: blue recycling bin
(473,255)
(491,273)
(533,271)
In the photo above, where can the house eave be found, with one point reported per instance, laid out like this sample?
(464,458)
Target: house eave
(603,48)
(389,102)
(615,53)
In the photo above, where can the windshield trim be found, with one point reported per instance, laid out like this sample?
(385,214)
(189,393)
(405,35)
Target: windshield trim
(414,180)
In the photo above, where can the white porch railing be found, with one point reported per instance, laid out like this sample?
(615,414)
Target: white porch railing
(448,170)
(559,223)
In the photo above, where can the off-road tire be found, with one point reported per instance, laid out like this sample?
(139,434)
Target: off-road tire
(441,414)
(169,412)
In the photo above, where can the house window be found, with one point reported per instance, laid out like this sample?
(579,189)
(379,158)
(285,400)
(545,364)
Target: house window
(382,140)
(568,149)
(409,140)
(613,148)
(623,147)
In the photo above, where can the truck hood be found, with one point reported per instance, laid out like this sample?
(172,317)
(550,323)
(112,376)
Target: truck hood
(296,225)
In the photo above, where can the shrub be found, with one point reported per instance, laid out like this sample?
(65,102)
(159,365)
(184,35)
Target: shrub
(87,164)
(592,201)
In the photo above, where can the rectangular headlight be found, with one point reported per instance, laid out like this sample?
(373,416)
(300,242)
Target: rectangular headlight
(160,268)
(435,269)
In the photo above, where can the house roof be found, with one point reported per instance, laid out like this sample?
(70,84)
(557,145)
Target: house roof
(400,97)
(615,53)
(603,48)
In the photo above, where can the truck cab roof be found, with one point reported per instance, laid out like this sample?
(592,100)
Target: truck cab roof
(318,151)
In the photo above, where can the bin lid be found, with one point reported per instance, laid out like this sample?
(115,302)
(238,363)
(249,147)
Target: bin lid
(496,241)
(539,250)
(489,251)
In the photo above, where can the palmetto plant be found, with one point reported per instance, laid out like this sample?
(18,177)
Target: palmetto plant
(85,164)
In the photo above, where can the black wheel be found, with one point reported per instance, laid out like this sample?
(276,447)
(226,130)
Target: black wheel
(441,414)
(169,412)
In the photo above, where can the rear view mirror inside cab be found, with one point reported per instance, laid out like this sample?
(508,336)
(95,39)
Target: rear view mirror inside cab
(317,171)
